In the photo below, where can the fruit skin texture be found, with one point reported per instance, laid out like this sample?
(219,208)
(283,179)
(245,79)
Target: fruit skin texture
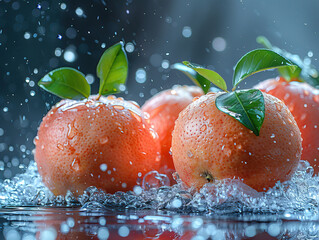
(105,143)
(208,144)
(163,109)
(303,102)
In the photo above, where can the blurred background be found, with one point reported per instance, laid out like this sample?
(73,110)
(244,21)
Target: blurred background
(39,36)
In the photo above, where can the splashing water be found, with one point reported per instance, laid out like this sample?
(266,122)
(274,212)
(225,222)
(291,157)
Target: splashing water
(294,199)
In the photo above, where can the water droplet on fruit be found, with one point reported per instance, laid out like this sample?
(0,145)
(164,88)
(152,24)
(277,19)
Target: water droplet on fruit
(316,98)
(138,118)
(60,146)
(202,105)
(190,154)
(195,98)
(153,133)
(278,106)
(124,185)
(203,128)
(104,140)
(303,116)
(119,107)
(76,164)
(287,95)
(291,107)
(36,140)
(272,136)
(306,92)
(71,131)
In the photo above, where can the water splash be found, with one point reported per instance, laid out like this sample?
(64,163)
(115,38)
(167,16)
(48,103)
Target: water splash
(294,199)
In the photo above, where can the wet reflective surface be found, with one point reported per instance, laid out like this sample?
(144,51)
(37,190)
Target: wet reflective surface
(75,223)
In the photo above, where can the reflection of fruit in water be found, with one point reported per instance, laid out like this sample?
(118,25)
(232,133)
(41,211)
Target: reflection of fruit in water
(207,144)
(303,102)
(163,109)
(105,143)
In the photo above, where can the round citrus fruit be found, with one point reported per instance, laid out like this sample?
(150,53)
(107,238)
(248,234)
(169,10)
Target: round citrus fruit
(106,143)
(163,110)
(208,144)
(303,102)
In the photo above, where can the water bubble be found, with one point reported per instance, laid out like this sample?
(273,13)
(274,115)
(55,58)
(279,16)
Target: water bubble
(274,229)
(103,233)
(27,35)
(137,190)
(64,228)
(219,44)
(59,36)
(124,231)
(310,54)
(102,221)
(177,203)
(70,55)
(129,47)
(90,78)
(63,6)
(48,234)
(79,11)
(140,75)
(71,33)
(187,32)
(1,132)
(5,109)
(103,167)
(154,179)
(165,64)
(12,234)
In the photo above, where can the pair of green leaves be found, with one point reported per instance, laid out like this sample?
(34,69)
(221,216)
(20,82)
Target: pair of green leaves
(303,71)
(246,106)
(70,83)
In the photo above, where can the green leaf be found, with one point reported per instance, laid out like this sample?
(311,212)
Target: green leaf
(112,69)
(210,75)
(246,106)
(303,72)
(194,76)
(259,60)
(66,83)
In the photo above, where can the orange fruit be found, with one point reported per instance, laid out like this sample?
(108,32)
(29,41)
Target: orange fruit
(106,143)
(208,144)
(163,109)
(303,102)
